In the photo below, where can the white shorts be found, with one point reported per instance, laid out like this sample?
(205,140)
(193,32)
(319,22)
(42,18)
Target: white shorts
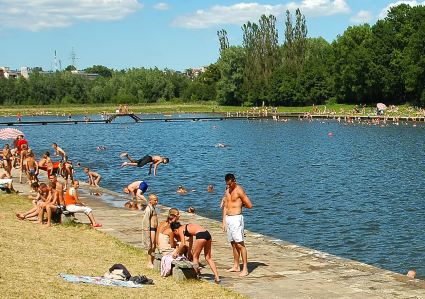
(78,209)
(235,227)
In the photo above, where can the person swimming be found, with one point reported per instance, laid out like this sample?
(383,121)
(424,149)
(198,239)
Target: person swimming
(221,145)
(181,190)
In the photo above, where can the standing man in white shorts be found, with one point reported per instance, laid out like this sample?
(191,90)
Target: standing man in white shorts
(233,200)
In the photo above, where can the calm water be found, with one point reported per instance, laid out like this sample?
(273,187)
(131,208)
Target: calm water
(358,194)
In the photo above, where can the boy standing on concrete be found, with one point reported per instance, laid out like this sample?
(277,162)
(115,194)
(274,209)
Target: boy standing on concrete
(149,227)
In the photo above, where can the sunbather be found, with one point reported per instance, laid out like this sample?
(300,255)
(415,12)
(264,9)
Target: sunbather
(74,205)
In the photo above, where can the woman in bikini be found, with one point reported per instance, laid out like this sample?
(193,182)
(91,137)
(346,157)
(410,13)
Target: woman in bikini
(203,240)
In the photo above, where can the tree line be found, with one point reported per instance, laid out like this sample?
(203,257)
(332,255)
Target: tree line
(365,65)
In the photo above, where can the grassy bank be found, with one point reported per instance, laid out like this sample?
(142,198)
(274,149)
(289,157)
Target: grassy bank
(32,256)
(205,107)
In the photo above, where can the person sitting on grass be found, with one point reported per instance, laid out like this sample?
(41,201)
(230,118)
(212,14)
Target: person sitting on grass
(74,205)
(57,189)
(94,177)
(203,241)
(43,194)
(45,206)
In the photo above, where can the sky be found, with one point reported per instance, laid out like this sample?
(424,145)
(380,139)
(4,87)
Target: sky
(173,34)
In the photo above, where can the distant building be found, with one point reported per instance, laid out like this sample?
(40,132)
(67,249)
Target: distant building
(24,72)
(195,72)
(90,76)
(6,72)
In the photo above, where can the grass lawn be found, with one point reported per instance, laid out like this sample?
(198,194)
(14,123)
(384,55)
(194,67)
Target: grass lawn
(32,256)
(202,107)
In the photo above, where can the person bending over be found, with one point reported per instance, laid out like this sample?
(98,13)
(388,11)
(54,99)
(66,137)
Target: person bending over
(94,177)
(137,189)
(203,240)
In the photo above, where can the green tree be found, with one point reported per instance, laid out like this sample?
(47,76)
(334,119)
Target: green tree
(352,66)
(100,69)
(231,64)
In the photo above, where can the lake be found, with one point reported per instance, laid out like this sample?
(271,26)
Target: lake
(358,194)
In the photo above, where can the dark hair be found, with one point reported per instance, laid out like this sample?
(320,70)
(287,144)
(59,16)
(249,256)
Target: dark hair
(35,185)
(165,160)
(55,144)
(175,225)
(229,177)
(47,154)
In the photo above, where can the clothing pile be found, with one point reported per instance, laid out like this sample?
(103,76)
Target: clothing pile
(120,272)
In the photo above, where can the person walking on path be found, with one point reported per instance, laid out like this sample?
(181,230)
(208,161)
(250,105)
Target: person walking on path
(152,160)
(233,201)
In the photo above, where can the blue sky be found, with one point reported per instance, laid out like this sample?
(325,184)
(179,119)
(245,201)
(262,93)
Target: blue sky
(175,34)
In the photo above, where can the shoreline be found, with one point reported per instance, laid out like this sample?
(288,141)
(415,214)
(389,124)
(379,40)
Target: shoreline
(276,267)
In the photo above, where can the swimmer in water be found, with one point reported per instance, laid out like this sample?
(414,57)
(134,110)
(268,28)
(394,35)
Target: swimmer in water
(221,145)
(210,188)
(181,190)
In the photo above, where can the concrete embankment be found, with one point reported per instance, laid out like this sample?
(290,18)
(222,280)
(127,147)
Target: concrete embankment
(277,269)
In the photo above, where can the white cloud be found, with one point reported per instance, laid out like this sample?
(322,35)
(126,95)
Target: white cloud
(361,17)
(36,15)
(161,6)
(412,3)
(240,13)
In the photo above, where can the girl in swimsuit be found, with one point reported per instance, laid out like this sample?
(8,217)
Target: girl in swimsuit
(165,241)
(203,240)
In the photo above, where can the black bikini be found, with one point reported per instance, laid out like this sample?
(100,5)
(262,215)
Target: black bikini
(186,232)
(205,235)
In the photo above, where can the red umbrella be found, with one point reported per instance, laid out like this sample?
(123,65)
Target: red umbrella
(9,133)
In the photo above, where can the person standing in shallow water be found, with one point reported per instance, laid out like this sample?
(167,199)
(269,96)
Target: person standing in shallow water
(233,201)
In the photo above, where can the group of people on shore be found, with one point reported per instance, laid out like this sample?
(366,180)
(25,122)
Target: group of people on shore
(175,240)
(53,197)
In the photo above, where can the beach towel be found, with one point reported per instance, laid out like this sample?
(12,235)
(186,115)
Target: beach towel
(166,261)
(99,280)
